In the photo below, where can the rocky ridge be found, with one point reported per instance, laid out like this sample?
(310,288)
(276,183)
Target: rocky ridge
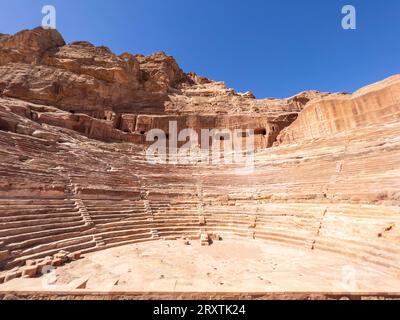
(75,176)
(119,98)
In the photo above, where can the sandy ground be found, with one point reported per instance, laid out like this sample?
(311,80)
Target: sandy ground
(226,266)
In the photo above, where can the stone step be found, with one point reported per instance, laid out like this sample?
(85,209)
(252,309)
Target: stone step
(36,241)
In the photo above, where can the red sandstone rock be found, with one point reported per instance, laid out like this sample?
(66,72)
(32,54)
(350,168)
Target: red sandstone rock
(63,256)
(77,255)
(29,271)
(75,176)
(56,262)
(29,46)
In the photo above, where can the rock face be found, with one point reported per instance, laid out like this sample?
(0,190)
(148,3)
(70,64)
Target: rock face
(75,176)
(109,91)
(29,46)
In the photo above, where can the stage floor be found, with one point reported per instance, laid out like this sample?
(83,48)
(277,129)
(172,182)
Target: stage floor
(231,265)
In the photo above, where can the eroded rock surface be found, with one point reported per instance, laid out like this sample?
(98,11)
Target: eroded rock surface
(75,175)
(78,78)
(375,104)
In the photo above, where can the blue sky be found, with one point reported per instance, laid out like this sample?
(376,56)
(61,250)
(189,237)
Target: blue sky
(275,48)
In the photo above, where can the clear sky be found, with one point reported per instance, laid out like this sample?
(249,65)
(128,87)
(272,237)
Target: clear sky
(275,48)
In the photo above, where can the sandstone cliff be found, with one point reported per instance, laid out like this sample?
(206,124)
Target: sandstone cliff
(378,103)
(74,175)
(111,93)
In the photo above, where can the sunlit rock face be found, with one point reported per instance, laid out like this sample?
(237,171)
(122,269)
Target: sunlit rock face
(75,177)
(331,115)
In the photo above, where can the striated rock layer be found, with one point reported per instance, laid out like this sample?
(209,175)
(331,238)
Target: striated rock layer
(75,177)
(120,98)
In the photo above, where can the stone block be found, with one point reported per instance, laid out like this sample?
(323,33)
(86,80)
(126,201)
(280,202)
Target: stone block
(30,262)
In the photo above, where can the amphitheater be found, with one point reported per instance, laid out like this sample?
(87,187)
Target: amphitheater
(318,215)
